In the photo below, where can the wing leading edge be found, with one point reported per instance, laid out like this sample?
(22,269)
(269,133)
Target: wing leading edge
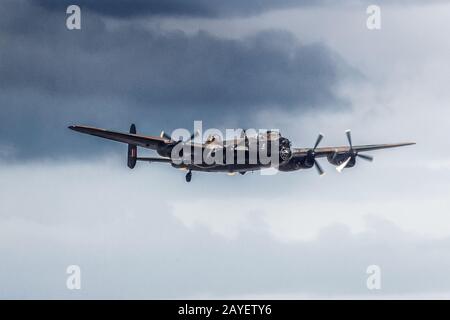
(150,142)
(325,151)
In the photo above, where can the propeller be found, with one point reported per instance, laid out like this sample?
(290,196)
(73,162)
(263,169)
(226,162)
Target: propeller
(343,165)
(352,153)
(311,156)
(165,135)
(318,168)
(319,138)
(348,133)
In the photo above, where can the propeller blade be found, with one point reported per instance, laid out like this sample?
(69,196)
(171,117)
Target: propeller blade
(365,157)
(349,138)
(319,168)
(343,165)
(319,138)
(165,136)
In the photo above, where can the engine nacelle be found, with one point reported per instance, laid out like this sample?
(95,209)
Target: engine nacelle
(291,165)
(297,163)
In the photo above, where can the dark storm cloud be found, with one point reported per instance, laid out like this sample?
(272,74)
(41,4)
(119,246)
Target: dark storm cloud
(195,8)
(52,77)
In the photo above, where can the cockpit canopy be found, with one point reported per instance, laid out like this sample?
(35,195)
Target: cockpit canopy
(270,135)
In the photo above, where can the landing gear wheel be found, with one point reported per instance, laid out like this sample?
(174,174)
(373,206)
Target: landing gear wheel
(188,176)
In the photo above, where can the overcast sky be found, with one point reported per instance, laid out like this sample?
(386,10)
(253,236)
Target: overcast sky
(300,66)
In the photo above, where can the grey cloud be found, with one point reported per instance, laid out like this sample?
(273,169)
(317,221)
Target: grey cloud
(58,214)
(75,213)
(138,253)
(269,68)
(51,77)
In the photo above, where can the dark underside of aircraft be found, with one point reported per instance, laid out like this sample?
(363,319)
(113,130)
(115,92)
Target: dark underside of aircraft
(236,155)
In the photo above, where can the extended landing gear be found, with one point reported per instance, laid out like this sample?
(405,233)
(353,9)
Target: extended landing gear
(188,176)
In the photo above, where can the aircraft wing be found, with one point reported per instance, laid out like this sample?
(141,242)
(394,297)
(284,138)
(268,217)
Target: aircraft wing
(129,138)
(325,151)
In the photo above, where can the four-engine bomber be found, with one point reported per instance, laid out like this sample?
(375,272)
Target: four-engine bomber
(241,154)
